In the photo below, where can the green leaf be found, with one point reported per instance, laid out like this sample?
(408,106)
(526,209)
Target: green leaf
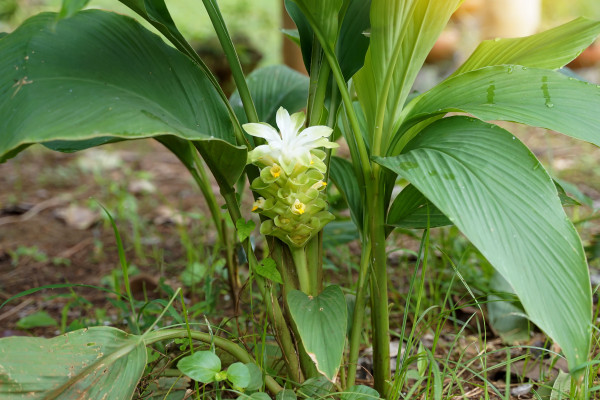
(157,14)
(268,269)
(536,97)
(322,16)
(193,274)
(166,388)
(318,387)
(255,396)
(498,194)
(226,162)
(292,34)
(286,394)
(71,7)
(256,377)
(202,366)
(244,228)
(562,387)
(352,43)
(342,174)
(402,33)
(551,49)
(505,317)
(305,32)
(579,197)
(360,392)
(273,87)
(94,363)
(36,320)
(79,79)
(181,148)
(338,233)
(239,374)
(321,322)
(412,210)
(565,200)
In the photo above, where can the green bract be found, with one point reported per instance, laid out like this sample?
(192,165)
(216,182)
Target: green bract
(291,179)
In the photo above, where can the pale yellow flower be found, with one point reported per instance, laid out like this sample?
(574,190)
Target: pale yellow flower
(291,145)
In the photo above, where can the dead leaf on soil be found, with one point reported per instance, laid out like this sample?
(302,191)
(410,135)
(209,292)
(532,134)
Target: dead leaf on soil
(167,215)
(77,217)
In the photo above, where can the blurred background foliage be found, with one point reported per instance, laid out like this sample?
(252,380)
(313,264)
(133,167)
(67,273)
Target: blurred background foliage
(557,11)
(253,24)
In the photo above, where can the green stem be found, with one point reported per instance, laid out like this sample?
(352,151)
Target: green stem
(315,66)
(201,179)
(334,104)
(314,257)
(299,256)
(353,152)
(199,175)
(271,303)
(379,293)
(224,344)
(315,110)
(212,8)
(359,312)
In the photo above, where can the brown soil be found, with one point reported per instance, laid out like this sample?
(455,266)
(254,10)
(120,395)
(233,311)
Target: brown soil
(40,182)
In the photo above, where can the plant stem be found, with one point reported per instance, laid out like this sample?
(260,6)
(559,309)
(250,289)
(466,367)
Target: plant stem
(316,106)
(314,259)
(271,303)
(224,344)
(299,256)
(201,179)
(359,312)
(315,66)
(212,8)
(199,175)
(379,293)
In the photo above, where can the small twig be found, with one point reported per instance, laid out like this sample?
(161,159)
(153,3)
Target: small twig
(53,202)
(16,309)
(75,249)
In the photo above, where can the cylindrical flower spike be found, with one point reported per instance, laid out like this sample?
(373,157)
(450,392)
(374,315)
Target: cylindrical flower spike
(291,180)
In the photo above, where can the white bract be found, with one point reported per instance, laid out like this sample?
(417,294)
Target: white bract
(290,145)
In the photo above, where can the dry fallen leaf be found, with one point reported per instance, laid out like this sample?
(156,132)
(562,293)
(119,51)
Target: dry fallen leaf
(77,217)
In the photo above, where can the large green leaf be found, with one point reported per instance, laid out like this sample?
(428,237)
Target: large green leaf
(81,80)
(531,96)
(321,322)
(157,14)
(402,33)
(412,210)
(94,363)
(497,193)
(273,87)
(550,49)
